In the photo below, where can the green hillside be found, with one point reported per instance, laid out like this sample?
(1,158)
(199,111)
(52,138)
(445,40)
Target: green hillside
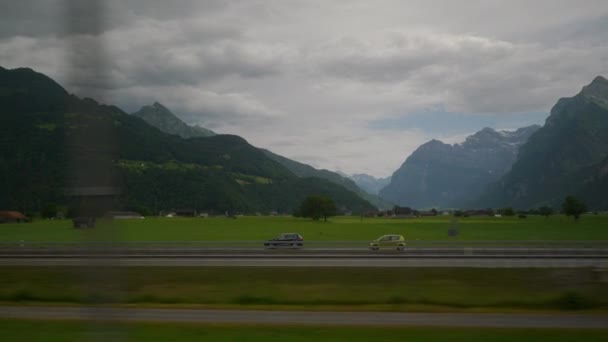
(160,117)
(45,131)
(566,156)
(305,170)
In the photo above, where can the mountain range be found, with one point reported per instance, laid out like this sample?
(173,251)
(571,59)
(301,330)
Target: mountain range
(370,184)
(439,175)
(51,140)
(305,170)
(48,136)
(162,118)
(567,156)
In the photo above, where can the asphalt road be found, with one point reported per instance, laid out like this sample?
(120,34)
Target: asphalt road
(308,317)
(418,250)
(481,262)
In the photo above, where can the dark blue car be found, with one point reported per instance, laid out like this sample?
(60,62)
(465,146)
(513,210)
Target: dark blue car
(291,240)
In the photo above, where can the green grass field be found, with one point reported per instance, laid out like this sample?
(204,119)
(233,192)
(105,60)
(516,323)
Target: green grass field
(386,289)
(590,227)
(66,331)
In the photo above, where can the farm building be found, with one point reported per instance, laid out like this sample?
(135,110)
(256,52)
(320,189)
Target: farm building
(91,202)
(12,217)
(185,212)
(83,222)
(119,215)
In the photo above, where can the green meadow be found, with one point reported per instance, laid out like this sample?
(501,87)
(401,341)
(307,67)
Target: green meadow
(589,227)
(66,331)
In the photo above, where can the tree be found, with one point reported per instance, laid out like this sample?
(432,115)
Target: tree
(297,213)
(317,207)
(545,211)
(573,207)
(508,211)
(50,211)
(140,209)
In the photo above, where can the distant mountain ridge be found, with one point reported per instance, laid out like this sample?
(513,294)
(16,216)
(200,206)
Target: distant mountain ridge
(568,155)
(370,184)
(439,175)
(162,118)
(305,170)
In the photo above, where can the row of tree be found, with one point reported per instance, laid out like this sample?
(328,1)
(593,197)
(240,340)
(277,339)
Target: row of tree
(571,206)
(317,207)
(322,207)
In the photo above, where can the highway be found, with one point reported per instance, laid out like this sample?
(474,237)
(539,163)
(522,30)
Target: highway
(325,250)
(527,254)
(307,317)
(477,262)
(412,251)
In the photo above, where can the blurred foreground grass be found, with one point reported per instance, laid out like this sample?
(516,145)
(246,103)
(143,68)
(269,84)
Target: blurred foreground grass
(66,331)
(387,289)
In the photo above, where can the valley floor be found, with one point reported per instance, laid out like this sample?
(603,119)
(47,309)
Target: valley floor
(558,227)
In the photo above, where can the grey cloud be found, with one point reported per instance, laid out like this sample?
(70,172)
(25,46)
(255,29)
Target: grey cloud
(188,52)
(196,64)
(31,18)
(532,80)
(395,56)
(467,73)
(43,18)
(586,30)
(148,53)
(210,109)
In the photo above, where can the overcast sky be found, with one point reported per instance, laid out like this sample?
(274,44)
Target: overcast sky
(350,85)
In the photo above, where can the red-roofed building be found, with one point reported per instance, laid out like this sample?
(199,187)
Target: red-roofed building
(12,217)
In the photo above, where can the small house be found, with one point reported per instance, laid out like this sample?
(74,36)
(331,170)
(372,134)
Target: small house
(185,212)
(122,215)
(83,222)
